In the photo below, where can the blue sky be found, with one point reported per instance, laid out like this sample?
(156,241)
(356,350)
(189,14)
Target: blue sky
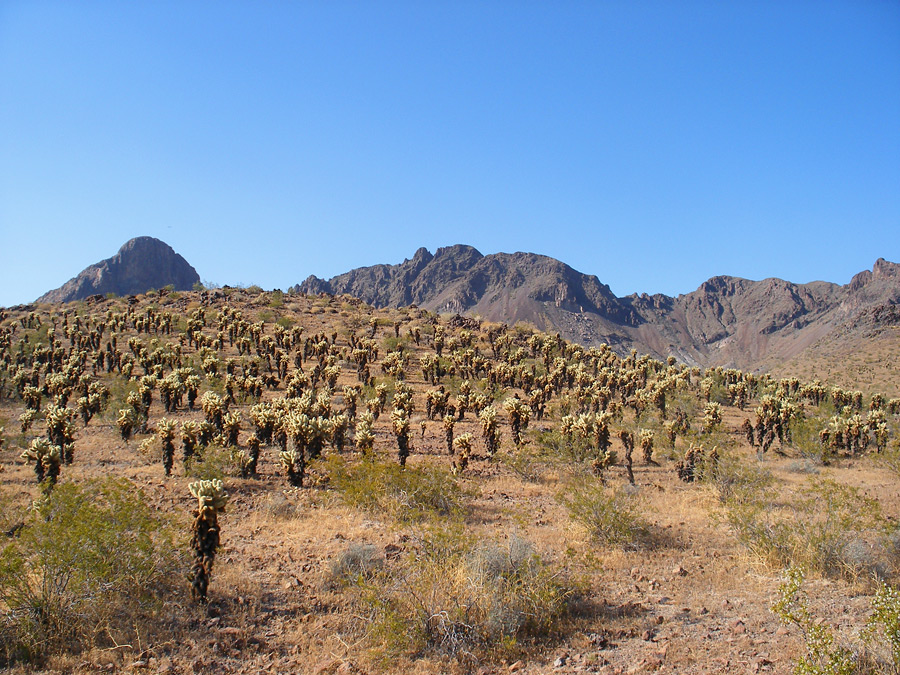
(654,144)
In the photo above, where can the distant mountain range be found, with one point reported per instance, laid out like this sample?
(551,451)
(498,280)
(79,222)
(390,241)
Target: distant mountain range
(141,264)
(726,321)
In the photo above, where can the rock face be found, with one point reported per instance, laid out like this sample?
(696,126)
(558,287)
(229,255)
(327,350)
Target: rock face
(143,263)
(727,321)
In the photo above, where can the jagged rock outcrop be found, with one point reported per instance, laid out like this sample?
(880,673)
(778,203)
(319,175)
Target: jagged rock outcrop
(143,263)
(726,321)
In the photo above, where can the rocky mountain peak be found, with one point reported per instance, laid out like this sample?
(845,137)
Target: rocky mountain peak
(141,264)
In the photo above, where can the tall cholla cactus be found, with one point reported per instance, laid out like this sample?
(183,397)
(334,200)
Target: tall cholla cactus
(211,500)
(449,423)
(712,417)
(189,432)
(364,438)
(519,415)
(214,408)
(61,430)
(490,429)
(646,441)
(463,446)
(400,426)
(46,458)
(293,461)
(165,432)
(627,439)
(231,427)
(126,422)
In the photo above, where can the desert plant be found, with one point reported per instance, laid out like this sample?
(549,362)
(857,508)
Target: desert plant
(646,441)
(460,600)
(610,516)
(165,431)
(407,494)
(449,423)
(463,446)
(211,500)
(400,426)
(363,436)
(519,415)
(84,566)
(824,656)
(490,430)
(46,459)
(293,461)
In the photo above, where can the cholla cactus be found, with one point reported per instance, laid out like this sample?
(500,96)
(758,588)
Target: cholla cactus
(61,430)
(189,433)
(192,385)
(519,415)
(627,439)
(400,426)
(646,441)
(293,461)
(463,446)
(27,418)
(363,437)
(337,428)
(449,423)
(126,423)
(489,429)
(231,427)
(46,458)
(249,469)
(211,500)
(214,409)
(697,463)
(165,432)
(712,417)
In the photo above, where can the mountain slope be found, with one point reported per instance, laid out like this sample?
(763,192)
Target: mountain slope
(141,264)
(726,321)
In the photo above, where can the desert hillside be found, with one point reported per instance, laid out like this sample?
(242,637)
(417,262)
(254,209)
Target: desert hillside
(239,481)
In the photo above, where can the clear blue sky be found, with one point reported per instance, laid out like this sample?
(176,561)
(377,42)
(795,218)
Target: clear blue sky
(654,144)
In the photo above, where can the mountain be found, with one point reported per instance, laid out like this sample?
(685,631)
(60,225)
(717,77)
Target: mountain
(143,263)
(727,321)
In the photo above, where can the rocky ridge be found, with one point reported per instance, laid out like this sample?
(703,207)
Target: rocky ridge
(143,263)
(727,321)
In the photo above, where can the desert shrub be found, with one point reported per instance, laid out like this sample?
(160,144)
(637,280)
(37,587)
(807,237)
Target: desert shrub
(890,460)
(355,562)
(88,561)
(877,652)
(404,493)
(212,463)
(611,515)
(827,527)
(279,507)
(461,600)
(824,655)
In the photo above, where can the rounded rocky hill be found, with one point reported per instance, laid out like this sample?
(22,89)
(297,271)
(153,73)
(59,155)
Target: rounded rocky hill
(142,264)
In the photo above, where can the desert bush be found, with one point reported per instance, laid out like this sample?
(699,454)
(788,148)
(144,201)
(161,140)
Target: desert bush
(355,562)
(460,600)
(406,494)
(87,559)
(876,651)
(826,527)
(611,516)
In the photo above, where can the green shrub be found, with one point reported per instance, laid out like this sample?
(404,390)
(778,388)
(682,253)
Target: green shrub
(404,493)
(827,527)
(611,516)
(879,651)
(824,656)
(87,559)
(460,600)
